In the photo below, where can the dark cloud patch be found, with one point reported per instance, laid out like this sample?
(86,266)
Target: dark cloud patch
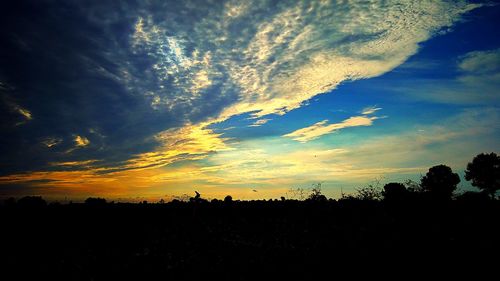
(26,188)
(69,65)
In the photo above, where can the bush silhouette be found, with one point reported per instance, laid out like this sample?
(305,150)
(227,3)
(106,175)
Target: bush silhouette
(484,172)
(440,182)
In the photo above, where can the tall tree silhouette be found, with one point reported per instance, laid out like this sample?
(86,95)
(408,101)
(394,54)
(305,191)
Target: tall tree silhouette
(440,182)
(484,172)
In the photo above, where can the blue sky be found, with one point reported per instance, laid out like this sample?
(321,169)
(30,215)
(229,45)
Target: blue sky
(153,100)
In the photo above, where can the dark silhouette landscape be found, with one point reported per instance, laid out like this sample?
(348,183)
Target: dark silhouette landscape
(420,227)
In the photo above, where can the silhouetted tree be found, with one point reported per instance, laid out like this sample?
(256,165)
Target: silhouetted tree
(228,199)
(316,193)
(95,201)
(394,191)
(32,202)
(440,182)
(484,172)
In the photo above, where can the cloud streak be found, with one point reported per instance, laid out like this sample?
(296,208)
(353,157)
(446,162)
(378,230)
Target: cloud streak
(370,110)
(323,128)
(259,122)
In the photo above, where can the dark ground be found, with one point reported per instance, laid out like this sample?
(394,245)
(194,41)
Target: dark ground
(248,240)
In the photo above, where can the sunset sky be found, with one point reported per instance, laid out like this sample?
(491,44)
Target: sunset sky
(133,100)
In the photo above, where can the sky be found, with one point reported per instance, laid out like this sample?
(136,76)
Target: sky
(133,100)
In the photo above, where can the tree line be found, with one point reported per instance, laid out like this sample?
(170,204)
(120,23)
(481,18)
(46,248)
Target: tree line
(440,182)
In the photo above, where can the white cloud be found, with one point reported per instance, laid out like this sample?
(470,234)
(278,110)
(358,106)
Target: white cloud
(322,128)
(481,62)
(269,59)
(481,71)
(370,110)
(259,122)
(309,49)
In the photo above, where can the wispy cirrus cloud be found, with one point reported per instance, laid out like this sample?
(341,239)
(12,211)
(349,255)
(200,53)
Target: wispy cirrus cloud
(322,128)
(481,62)
(370,110)
(481,73)
(259,122)
(50,142)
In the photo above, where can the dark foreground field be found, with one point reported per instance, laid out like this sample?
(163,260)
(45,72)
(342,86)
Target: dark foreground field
(248,240)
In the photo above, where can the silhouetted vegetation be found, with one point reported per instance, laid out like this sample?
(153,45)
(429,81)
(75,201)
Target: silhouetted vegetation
(304,235)
(372,192)
(395,191)
(32,202)
(484,172)
(95,201)
(440,182)
(316,195)
(228,199)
